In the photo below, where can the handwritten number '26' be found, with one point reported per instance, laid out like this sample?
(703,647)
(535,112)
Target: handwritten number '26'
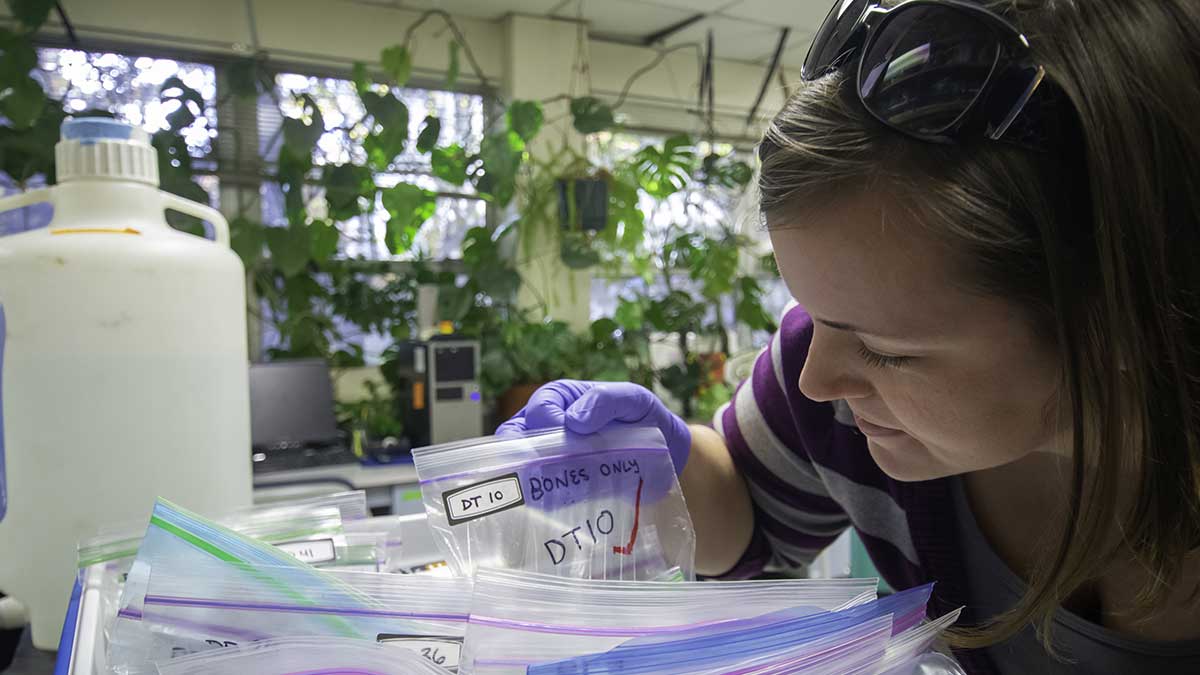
(433,654)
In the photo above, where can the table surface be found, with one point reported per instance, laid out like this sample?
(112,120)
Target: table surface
(359,475)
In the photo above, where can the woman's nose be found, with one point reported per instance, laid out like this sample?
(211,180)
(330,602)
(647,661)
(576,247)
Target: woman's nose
(829,372)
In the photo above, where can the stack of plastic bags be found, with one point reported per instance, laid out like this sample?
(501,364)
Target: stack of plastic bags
(572,556)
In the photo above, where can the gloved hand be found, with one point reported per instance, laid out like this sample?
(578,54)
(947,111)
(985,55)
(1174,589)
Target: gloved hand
(586,407)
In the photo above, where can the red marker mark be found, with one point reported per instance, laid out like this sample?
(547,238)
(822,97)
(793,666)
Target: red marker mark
(627,549)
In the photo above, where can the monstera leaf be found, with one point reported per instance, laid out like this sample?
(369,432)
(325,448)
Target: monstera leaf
(663,172)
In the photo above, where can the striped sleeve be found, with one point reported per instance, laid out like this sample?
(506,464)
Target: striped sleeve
(795,515)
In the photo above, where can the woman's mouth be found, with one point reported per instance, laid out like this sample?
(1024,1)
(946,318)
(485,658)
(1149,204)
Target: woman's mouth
(874,430)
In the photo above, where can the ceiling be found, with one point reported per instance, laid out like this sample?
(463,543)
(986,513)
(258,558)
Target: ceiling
(743,30)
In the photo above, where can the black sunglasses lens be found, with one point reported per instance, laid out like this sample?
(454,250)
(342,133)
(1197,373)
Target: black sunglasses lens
(926,66)
(829,42)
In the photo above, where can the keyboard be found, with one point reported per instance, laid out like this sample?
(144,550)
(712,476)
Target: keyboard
(290,458)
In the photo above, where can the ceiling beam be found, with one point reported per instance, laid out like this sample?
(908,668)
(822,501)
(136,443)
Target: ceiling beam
(672,29)
(783,38)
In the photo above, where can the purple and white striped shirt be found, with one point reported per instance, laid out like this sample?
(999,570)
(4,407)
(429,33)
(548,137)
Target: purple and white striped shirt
(811,476)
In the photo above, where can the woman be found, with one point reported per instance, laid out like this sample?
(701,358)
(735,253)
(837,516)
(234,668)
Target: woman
(988,215)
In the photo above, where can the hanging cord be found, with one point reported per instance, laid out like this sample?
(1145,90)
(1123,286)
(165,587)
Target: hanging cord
(710,120)
(458,37)
(581,72)
(652,65)
(783,84)
(783,37)
(252,23)
(62,14)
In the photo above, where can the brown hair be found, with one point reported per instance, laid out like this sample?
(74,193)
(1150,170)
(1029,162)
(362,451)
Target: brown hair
(1098,237)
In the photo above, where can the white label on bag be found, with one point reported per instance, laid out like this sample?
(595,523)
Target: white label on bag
(311,552)
(483,499)
(441,651)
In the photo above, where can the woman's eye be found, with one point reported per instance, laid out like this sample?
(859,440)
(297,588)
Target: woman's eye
(877,360)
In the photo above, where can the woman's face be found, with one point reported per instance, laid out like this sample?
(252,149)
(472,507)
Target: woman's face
(941,381)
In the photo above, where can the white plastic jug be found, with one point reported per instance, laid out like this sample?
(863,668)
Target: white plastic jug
(125,372)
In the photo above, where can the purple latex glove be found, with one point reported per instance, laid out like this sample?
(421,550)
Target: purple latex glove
(586,407)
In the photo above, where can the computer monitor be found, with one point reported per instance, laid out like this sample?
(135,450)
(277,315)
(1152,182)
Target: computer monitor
(291,404)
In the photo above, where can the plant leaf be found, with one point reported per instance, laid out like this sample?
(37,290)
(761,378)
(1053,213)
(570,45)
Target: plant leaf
(175,88)
(591,115)
(389,133)
(455,301)
(323,240)
(181,118)
(247,240)
(301,137)
(191,103)
(630,314)
(408,207)
(525,118)
(677,312)
(428,137)
(345,186)
(289,247)
(453,67)
(726,171)
(31,13)
(360,77)
(17,57)
(23,102)
(663,172)
(749,309)
(501,154)
(397,63)
(450,164)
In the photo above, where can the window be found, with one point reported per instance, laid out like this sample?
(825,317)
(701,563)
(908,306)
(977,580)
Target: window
(128,87)
(458,208)
(709,210)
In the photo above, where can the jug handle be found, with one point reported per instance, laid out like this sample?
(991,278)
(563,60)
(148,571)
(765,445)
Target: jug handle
(25,199)
(220,225)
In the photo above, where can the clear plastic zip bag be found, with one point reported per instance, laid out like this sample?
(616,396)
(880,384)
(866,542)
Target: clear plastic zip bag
(300,656)
(182,614)
(390,530)
(930,663)
(296,523)
(909,653)
(836,647)
(520,618)
(850,641)
(279,522)
(219,564)
(420,552)
(601,506)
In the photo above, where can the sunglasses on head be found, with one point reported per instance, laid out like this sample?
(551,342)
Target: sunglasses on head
(936,70)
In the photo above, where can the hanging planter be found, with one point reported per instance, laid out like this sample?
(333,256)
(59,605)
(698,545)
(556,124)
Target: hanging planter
(583,204)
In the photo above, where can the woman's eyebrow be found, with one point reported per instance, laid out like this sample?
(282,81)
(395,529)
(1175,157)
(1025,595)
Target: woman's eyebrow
(838,325)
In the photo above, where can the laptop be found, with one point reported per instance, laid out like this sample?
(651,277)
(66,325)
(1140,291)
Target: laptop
(292,422)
